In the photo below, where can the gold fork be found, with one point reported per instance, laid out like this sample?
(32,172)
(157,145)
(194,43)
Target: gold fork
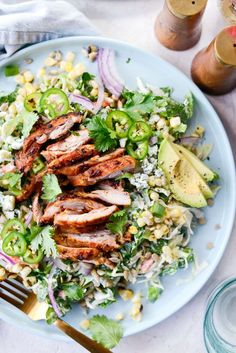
(14,293)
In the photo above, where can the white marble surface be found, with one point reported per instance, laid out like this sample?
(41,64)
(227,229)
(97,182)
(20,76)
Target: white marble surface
(132,21)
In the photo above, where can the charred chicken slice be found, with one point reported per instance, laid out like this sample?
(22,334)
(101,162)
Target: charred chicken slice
(82,152)
(78,168)
(75,254)
(102,239)
(77,204)
(86,219)
(111,196)
(67,145)
(45,132)
(106,170)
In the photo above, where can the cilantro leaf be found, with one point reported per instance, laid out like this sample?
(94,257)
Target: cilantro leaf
(9,98)
(73,291)
(105,331)
(188,104)
(118,222)
(28,119)
(45,241)
(51,187)
(105,139)
(138,104)
(11,182)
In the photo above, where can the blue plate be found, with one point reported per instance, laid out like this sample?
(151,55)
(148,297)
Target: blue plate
(159,73)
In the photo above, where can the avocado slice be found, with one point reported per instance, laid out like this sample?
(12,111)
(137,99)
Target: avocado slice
(185,182)
(205,172)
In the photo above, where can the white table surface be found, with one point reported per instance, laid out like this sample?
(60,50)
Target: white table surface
(132,21)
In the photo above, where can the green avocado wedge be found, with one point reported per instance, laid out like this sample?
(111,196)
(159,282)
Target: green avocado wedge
(185,182)
(206,173)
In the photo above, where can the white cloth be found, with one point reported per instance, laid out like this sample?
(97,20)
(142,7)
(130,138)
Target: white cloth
(30,22)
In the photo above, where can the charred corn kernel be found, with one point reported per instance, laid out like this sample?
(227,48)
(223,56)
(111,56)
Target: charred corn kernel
(158,233)
(154,196)
(120,317)
(29,88)
(28,76)
(174,122)
(92,56)
(202,220)
(66,66)
(85,324)
(199,131)
(175,212)
(50,61)
(126,294)
(167,253)
(133,230)
(20,79)
(141,222)
(41,72)
(12,109)
(70,56)
(17,268)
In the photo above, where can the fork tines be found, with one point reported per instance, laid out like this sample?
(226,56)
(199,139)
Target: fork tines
(12,292)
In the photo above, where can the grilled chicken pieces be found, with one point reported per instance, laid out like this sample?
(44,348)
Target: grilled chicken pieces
(51,131)
(106,170)
(79,215)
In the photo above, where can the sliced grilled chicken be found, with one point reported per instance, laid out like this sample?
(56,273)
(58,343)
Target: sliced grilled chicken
(103,240)
(67,145)
(111,196)
(77,204)
(86,229)
(78,168)
(82,152)
(86,219)
(110,184)
(75,254)
(55,129)
(36,208)
(106,170)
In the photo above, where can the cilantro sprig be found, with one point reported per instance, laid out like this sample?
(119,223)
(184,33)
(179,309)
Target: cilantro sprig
(105,331)
(51,187)
(104,138)
(118,222)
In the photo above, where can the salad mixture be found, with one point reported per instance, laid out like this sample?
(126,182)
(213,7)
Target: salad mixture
(100,186)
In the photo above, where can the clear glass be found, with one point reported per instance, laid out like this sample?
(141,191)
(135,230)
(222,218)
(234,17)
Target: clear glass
(220,319)
(228,9)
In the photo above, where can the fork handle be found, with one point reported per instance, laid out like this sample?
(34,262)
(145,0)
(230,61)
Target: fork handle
(77,336)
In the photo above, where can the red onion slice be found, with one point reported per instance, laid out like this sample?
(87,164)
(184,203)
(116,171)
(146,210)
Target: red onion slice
(7,259)
(28,218)
(85,268)
(108,73)
(189,140)
(84,101)
(51,292)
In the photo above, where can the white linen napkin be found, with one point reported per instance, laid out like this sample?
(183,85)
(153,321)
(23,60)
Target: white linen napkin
(34,21)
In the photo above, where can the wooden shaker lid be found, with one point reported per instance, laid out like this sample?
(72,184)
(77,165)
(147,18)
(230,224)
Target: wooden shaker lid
(225,46)
(185,8)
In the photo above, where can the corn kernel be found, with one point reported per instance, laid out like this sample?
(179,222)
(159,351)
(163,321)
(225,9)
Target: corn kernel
(12,109)
(50,62)
(126,294)
(80,68)
(29,88)
(66,66)
(154,196)
(161,123)
(20,79)
(70,56)
(174,122)
(133,230)
(85,324)
(41,72)
(120,317)
(94,92)
(152,181)
(2,273)
(28,76)
(141,222)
